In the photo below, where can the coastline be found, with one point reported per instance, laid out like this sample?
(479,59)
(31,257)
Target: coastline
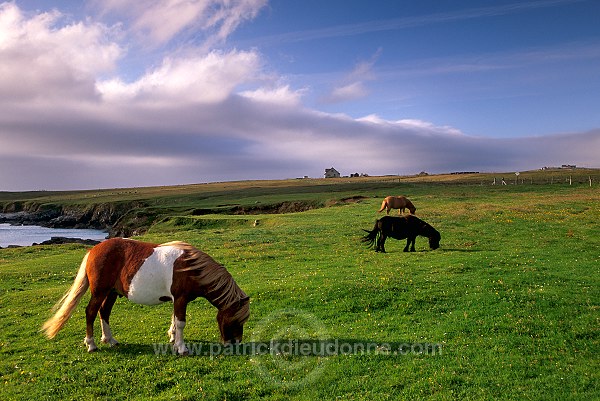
(16,231)
(57,241)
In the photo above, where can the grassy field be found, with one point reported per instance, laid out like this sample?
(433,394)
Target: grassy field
(507,308)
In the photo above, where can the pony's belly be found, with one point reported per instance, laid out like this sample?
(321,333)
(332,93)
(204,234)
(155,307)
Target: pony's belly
(151,285)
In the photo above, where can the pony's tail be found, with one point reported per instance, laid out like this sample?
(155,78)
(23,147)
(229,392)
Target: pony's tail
(68,302)
(371,235)
(383,206)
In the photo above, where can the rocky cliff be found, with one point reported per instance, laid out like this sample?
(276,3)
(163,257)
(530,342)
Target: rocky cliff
(119,218)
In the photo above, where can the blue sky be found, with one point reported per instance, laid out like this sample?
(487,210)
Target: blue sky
(482,66)
(115,93)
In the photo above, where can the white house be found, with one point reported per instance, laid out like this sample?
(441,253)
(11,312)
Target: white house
(332,173)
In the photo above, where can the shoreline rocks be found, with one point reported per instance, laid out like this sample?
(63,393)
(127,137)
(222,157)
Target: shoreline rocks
(67,240)
(118,218)
(58,241)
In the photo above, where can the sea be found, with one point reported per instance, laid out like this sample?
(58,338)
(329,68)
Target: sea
(27,235)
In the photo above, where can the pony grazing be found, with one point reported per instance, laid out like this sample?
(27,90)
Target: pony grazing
(151,274)
(397,202)
(408,227)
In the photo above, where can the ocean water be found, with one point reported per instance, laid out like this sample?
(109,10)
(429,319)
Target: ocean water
(27,235)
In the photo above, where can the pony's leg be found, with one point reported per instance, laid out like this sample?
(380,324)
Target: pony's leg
(410,241)
(171,331)
(105,310)
(381,243)
(90,315)
(179,310)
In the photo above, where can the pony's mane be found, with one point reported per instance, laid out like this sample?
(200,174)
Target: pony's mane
(431,231)
(221,290)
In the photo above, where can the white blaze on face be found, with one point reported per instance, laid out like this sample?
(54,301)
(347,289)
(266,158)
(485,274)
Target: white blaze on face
(155,276)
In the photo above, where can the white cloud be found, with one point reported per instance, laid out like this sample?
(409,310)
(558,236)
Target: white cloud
(351,91)
(42,60)
(205,79)
(353,87)
(162,20)
(413,125)
(281,95)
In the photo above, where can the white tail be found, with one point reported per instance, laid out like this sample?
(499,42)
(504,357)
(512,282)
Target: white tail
(68,302)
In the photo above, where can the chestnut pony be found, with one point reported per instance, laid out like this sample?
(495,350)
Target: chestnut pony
(151,274)
(397,202)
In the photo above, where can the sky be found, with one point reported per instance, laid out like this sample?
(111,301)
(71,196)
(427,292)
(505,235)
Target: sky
(122,93)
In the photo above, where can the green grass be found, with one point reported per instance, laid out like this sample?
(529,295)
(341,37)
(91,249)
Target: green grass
(512,297)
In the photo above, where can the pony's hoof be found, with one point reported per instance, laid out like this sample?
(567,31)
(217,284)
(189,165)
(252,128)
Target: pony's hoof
(89,342)
(181,349)
(184,352)
(110,341)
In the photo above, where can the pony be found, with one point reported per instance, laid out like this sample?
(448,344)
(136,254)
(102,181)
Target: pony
(150,274)
(397,202)
(407,226)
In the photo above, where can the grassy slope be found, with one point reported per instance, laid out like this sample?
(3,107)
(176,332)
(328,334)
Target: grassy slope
(512,296)
(212,194)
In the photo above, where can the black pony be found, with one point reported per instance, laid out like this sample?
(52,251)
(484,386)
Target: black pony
(407,226)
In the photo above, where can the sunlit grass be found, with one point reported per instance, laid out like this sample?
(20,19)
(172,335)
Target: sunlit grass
(512,296)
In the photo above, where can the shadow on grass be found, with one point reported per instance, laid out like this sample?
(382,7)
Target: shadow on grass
(463,250)
(443,250)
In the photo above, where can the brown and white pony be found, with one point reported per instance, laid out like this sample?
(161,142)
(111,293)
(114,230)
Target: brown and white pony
(397,202)
(151,274)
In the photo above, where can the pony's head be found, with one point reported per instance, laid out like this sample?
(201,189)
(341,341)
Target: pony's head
(434,239)
(231,321)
